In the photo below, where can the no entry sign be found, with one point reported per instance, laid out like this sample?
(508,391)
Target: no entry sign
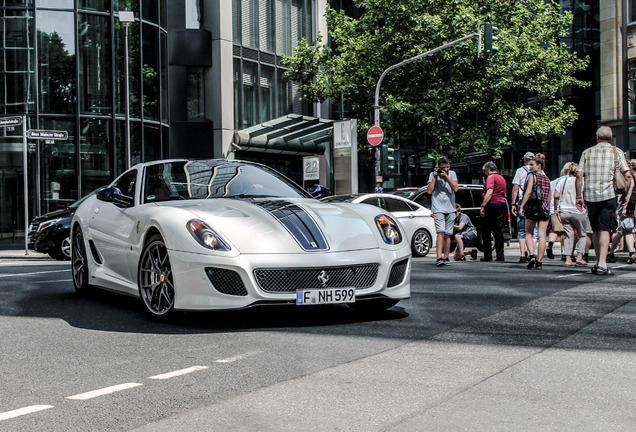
(375,135)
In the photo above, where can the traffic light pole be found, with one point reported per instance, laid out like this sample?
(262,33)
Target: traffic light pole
(376,106)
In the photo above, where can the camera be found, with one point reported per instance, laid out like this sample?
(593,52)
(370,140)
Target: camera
(440,171)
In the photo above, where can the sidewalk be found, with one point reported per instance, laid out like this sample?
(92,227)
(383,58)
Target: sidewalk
(14,249)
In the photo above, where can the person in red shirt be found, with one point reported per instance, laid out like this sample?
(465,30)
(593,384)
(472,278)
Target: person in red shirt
(494,211)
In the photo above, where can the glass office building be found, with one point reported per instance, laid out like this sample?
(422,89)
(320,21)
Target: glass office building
(61,66)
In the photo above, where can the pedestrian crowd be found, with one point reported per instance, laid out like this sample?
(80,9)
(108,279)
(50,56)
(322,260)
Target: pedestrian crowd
(588,203)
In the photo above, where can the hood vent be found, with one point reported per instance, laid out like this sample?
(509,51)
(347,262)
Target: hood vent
(298,222)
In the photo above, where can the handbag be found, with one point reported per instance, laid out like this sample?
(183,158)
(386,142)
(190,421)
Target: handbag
(555,218)
(621,185)
(557,225)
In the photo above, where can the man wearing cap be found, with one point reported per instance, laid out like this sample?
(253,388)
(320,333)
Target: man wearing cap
(518,188)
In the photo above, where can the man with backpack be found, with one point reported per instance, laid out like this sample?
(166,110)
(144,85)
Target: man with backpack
(518,188)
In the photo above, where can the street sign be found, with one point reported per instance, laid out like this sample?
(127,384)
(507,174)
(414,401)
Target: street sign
(48,134)
(375,135)
(10,121)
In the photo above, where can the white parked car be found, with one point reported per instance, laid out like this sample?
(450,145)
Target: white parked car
(224,234)
(417,220)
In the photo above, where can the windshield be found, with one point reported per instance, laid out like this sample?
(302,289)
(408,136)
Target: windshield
(215,179)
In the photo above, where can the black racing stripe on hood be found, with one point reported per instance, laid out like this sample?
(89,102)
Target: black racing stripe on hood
(298,222)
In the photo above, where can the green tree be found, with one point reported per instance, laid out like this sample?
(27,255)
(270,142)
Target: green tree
(456,100)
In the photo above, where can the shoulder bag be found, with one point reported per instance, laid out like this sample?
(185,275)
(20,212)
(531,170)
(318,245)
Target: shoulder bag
(555,218)
(621,185)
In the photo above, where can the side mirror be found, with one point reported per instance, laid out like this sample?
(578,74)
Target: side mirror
(319,191)
(114,195)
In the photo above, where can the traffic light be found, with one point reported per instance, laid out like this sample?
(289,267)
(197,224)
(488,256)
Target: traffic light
(489,39)
(387,160)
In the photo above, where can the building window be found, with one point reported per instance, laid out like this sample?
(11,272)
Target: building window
(95,64)
(194,14)
(56,61)
(94,155)
(196,93)
(17,92)
(631,8)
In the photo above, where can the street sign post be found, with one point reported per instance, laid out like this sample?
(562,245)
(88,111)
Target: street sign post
(10,121)
(48,134)
(375,135)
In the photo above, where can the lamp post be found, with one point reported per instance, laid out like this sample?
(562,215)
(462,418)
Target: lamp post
(126,18)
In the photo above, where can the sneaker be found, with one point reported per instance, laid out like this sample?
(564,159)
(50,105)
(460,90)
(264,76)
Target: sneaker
(611,258)
(440,262)
(549,253)
(485,259)
(460,257)
(473,254)
(446,261)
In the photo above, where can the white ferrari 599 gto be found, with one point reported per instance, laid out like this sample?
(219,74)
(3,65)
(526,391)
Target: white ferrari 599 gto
(227,234)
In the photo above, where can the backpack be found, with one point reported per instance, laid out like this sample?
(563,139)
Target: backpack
(536,195)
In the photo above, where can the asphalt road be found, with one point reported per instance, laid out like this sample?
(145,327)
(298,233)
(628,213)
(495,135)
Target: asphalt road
(479,346)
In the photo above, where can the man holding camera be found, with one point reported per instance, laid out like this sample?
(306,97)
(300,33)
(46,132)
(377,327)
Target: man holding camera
(442,185)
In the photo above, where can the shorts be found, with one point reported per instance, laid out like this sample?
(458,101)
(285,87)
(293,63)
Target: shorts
(444,223)
(469,237)
(602,214)
(537,214)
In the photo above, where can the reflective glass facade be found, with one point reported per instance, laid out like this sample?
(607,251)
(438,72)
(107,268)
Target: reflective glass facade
(62,66)
(262,30)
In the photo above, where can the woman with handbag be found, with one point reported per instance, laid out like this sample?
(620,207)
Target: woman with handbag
(535,206)
(573,219)
(626,207)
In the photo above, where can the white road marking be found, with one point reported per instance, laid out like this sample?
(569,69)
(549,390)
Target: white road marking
(104,391)
(34,273)
(239,357)
(24,411)
(178,373)
(571,274)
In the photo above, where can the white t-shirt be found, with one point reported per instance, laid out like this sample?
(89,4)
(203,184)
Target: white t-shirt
(520,179)
(567,201)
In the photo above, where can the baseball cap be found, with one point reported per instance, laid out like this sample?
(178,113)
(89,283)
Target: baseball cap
(528,155)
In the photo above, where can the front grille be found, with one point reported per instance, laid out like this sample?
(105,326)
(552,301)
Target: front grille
(284,281)
(226,281)
(398,271)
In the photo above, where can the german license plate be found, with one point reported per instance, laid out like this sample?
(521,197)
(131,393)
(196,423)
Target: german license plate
(325,296)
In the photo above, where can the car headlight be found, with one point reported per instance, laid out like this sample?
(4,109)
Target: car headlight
(45,225)
(206,236)
(389,229)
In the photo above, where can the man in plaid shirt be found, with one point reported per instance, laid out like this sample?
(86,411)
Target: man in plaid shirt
(597,166)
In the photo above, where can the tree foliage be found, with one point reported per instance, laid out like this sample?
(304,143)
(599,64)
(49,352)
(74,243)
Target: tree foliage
(453,100)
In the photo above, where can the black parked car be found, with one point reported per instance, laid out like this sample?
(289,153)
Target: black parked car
(469,197)
(51,232)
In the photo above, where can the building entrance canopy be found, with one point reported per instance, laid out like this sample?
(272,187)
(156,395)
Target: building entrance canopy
(291,134)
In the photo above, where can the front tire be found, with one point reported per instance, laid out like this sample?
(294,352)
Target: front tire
(421,243)
(156,285)
(62,249)
(79,263)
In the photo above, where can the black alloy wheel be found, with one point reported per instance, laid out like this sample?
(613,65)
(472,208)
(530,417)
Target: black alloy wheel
(156,285)
(79,263)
